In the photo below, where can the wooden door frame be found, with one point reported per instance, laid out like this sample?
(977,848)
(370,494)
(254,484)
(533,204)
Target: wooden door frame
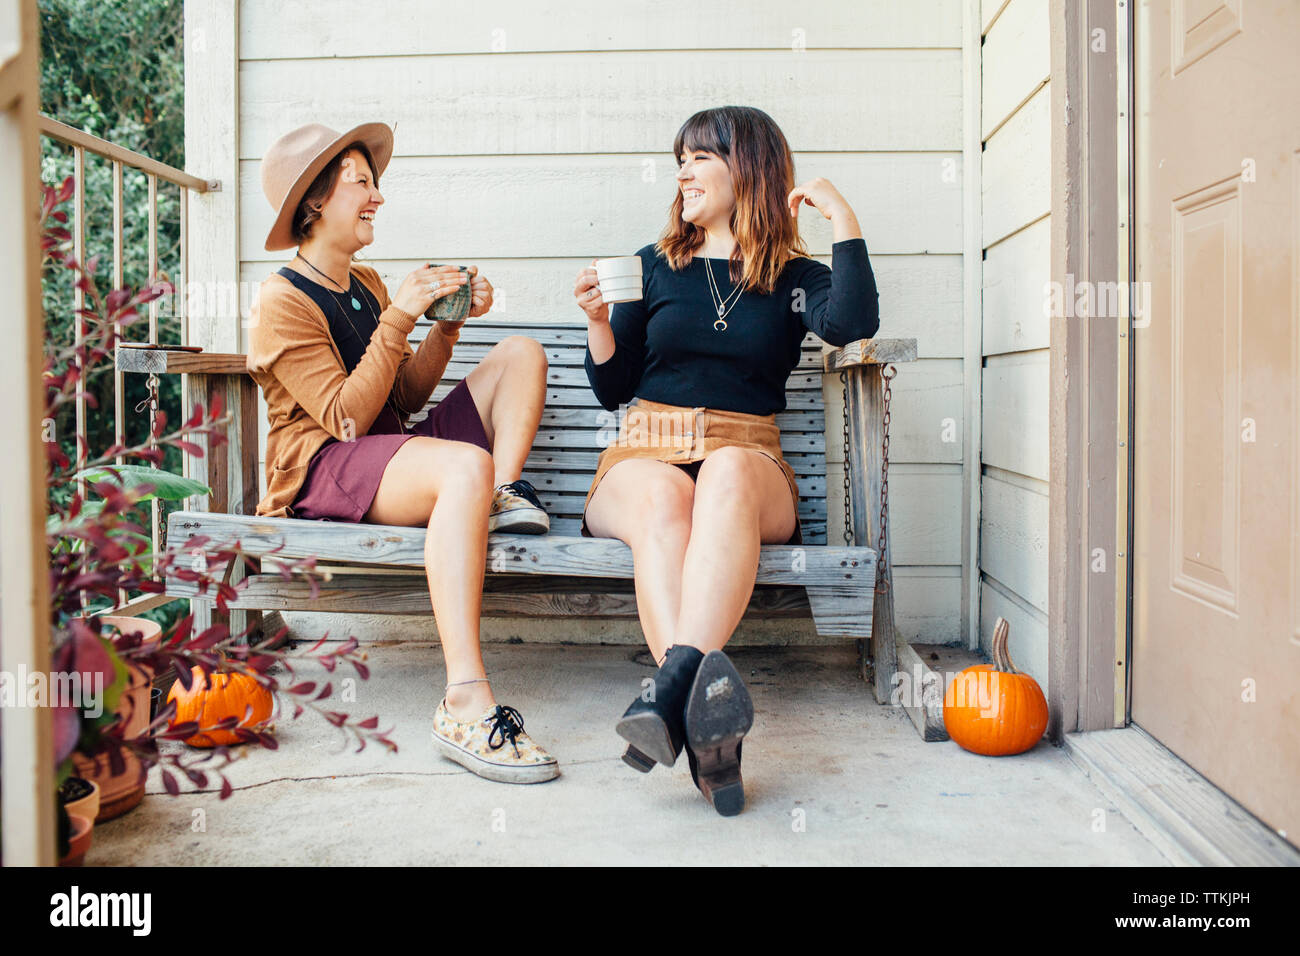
(1089,577)
(27,798)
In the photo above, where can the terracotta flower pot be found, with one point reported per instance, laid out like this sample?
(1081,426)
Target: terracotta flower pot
(87,806)
(79,840)
(124,791)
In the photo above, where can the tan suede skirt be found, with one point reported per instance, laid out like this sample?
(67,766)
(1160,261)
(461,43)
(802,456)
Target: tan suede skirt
(685,436)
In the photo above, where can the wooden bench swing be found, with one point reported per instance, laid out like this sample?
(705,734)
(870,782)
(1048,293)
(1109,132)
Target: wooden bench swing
(559,573)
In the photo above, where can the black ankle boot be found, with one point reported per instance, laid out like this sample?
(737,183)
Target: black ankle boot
(718,714)
(655,729)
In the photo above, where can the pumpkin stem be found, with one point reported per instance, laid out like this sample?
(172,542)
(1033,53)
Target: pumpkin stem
(1001,655)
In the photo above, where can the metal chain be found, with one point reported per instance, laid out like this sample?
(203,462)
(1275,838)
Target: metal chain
(886,375)
(151,402)
(848,518)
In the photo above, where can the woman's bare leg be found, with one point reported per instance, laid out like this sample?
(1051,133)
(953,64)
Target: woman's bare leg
(646,504)
(741,500)
(509,389)
(448,486)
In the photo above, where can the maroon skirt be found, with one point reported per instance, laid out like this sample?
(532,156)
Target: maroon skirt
(343,476)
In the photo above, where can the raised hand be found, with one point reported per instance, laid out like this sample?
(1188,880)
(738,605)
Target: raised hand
(826,199)
(818,193)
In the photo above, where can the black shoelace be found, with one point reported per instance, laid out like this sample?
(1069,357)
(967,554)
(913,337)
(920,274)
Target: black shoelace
(525,490)
(506,725)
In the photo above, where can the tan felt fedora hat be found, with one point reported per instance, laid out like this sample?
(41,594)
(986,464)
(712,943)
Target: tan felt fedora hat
(295,160)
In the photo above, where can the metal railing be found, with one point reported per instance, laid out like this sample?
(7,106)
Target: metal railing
(81,143)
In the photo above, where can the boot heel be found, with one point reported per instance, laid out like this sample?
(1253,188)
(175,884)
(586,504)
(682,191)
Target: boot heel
(637,760)
(718,777)
(648,735)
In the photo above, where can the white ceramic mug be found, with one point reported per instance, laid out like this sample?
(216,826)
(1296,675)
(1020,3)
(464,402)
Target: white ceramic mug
(619,278)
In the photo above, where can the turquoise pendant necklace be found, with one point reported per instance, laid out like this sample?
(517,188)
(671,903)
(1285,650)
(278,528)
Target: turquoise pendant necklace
(355,304)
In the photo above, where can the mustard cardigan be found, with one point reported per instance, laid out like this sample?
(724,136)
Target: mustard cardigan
(309,395)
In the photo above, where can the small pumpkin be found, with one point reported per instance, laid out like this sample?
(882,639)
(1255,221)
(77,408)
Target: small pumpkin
(994,709)
(209,701)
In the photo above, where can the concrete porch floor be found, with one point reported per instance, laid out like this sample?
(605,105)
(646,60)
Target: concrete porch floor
(870,790)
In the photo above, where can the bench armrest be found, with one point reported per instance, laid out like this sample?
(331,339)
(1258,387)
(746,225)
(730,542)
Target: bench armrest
(164,361)
(869,352)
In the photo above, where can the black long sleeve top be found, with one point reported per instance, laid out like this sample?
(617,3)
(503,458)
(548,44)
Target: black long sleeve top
(667,349)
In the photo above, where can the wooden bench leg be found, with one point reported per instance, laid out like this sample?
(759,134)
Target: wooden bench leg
(202,611)
(240,619)
(237,620)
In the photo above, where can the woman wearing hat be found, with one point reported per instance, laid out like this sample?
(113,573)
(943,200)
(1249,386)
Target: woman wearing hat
(329,348)
(729,293)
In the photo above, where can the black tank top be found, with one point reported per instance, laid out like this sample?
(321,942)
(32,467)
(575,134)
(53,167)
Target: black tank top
(334,305)
(351,346)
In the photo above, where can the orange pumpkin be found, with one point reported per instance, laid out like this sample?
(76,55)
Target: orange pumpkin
(994,709)
(210,702)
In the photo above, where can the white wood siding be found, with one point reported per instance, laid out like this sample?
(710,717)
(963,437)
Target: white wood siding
(531,138)
(1015,178)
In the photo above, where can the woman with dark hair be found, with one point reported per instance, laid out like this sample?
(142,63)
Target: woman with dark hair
(329,349)
(728,294)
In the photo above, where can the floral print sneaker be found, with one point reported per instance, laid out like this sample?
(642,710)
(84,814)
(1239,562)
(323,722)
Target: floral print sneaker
(517,510)
(494,746)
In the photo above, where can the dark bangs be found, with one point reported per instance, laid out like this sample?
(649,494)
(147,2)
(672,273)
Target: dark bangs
(706,130)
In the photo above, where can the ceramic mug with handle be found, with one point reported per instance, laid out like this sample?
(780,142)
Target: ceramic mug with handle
(619,278)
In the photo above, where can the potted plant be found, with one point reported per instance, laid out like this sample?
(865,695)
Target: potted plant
(75,834)
(78,807)
(102,665)
(80,796)
(123,790)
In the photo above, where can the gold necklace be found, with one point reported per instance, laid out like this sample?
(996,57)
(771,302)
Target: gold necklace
(718,302)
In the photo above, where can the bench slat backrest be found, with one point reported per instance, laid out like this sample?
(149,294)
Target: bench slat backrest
(563,458)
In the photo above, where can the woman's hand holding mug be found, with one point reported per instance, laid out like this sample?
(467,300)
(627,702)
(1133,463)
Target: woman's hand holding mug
(418,290)
(482,293)
(587,292)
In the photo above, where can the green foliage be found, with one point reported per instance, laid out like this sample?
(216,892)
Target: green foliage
(115,68)
(166,486)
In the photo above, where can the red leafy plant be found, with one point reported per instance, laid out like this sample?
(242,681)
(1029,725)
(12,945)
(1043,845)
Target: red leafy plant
(98,548)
